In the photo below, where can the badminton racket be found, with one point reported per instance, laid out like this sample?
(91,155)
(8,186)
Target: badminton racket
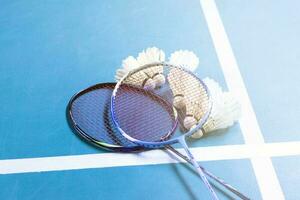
(145,118)
(88,117)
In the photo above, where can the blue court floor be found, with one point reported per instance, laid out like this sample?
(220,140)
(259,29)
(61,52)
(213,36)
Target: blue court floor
(49,50)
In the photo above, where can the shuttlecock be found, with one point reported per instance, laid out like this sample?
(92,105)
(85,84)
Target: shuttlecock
(128,64)
(226,110)
(154,75)
(184,58)
(189,122)
(178,86)
(188,60)
(150,55)
(196,100)
(139,78)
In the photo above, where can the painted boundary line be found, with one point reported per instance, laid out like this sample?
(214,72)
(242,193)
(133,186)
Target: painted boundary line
(104,160)
(263,168)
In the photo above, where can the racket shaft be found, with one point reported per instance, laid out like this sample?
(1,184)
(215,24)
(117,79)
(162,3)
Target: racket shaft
(217,179)
(198,168)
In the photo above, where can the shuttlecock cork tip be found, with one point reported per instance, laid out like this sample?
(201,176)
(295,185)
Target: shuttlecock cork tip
(149,84)
(159,80)
(179,102)
(189,122)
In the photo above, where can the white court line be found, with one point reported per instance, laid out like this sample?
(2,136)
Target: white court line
(263,168)
(104,160)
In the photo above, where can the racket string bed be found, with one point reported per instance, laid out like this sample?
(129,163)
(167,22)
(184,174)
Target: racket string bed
(135,105)
(90,115)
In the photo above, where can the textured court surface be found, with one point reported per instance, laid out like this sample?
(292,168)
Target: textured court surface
(49,50)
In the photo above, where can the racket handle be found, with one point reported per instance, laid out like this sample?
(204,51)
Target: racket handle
(198,168)
(217,179)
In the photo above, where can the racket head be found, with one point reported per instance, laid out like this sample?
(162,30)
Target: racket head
(88,115)
(123,100)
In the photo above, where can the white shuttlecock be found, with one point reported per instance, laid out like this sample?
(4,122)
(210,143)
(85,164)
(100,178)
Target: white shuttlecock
(128,64)
(194,111)
(226,110)
(177,87)
(216,98)
(187,60)
(139,78)
(184,58)
(150,55)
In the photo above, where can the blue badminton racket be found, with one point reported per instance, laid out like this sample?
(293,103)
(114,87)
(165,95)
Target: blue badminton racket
(143,116)
(89,116)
